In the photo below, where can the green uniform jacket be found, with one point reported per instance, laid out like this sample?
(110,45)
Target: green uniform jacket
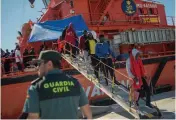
(56,96)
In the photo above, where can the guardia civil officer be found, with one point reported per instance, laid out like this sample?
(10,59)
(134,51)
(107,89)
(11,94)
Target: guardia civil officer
(55,95)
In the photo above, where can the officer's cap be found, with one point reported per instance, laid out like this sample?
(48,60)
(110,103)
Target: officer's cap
(48,55)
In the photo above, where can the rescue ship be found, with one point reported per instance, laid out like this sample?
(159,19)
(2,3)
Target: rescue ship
(124,23)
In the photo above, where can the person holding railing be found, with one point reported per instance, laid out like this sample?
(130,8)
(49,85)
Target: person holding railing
(105,55)
(18,59)
(135,70)
(25,57)
(82,46)
(90,47)
(13,64)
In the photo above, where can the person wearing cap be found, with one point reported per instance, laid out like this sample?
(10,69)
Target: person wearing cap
(105,55)
(135,70)
(54,95)
(19,59)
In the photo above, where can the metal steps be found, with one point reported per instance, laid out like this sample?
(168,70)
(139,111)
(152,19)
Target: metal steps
(120,94)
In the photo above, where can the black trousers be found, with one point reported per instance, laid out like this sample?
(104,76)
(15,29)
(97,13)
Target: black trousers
(19,66)
(70,49)
(106,66)
(67,48)
(94,62)
(7,66)
(76,50)
(145,90)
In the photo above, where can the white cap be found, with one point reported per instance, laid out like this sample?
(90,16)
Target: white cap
(134,52)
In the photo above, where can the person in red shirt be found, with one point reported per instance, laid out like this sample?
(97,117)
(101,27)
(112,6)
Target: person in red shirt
(135,70)
(82,46)
(70,39)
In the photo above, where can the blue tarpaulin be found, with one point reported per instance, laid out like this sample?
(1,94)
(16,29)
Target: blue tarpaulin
(52,30)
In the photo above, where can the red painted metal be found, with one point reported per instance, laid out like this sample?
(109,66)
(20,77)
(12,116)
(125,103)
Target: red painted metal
(93,12)
(106,9)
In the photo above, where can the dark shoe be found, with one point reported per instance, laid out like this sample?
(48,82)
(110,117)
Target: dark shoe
(149,106)
(137,104)
(116,82)
(106,81)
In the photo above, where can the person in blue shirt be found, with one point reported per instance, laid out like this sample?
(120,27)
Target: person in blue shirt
(105,54)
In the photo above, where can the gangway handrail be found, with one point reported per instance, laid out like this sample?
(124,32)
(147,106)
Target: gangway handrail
(109,93)
(118,99)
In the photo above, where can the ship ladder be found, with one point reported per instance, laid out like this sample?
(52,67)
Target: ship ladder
(119,93)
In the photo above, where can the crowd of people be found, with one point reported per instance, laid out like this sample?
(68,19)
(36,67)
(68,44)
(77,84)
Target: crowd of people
(97,52)
(102,57)
(15,61)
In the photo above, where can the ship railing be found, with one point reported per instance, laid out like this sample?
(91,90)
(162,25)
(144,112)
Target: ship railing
(87,70)
(157,54)
(153,1)
(30,68)
(65,65)
(13,70)
(119,86)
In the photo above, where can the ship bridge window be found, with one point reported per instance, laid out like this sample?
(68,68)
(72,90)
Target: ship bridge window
(140,11)
(150,11)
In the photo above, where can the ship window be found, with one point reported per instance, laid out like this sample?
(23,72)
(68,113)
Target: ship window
(140,11)
(71,4)
(150,11)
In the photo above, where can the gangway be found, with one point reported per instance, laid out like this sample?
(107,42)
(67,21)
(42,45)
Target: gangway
(119,93)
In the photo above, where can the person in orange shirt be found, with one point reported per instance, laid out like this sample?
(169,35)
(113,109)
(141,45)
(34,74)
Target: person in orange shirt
(61,44)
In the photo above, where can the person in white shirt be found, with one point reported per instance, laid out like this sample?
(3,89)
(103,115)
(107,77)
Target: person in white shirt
(18,59)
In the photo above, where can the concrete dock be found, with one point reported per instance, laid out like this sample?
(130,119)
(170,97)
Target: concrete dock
(164,101)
